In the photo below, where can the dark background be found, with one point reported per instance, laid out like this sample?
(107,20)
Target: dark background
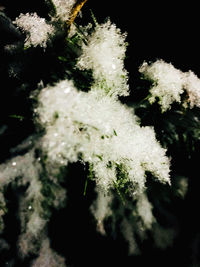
(165,30)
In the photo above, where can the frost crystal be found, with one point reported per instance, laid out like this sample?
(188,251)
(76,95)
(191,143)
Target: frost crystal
(192,86)
(63,8)
(182,187)
(31,216)
(101,209)
(144,209)
(36,28)
(169,83)
(48,257)
(104,54)
(127,230)
(103,132)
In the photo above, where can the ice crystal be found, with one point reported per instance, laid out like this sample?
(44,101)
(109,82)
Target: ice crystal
(36,28)
(192,87)
(63,8)
(48,257)
(25,171)
(128,233)
(144,209)
(17,167)
(169,84)
(104,54)
(101,208)
(103,132)
(182,187)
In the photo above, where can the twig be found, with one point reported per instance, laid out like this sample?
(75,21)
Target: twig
(77,7)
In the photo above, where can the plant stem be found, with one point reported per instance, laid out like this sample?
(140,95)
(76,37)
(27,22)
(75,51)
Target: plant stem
(77,7)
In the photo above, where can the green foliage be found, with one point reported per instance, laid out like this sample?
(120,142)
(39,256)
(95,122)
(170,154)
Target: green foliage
(90,177)
(19,117)
(52,190)
(122,184)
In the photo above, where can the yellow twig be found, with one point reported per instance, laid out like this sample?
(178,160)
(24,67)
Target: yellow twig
(77,7)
